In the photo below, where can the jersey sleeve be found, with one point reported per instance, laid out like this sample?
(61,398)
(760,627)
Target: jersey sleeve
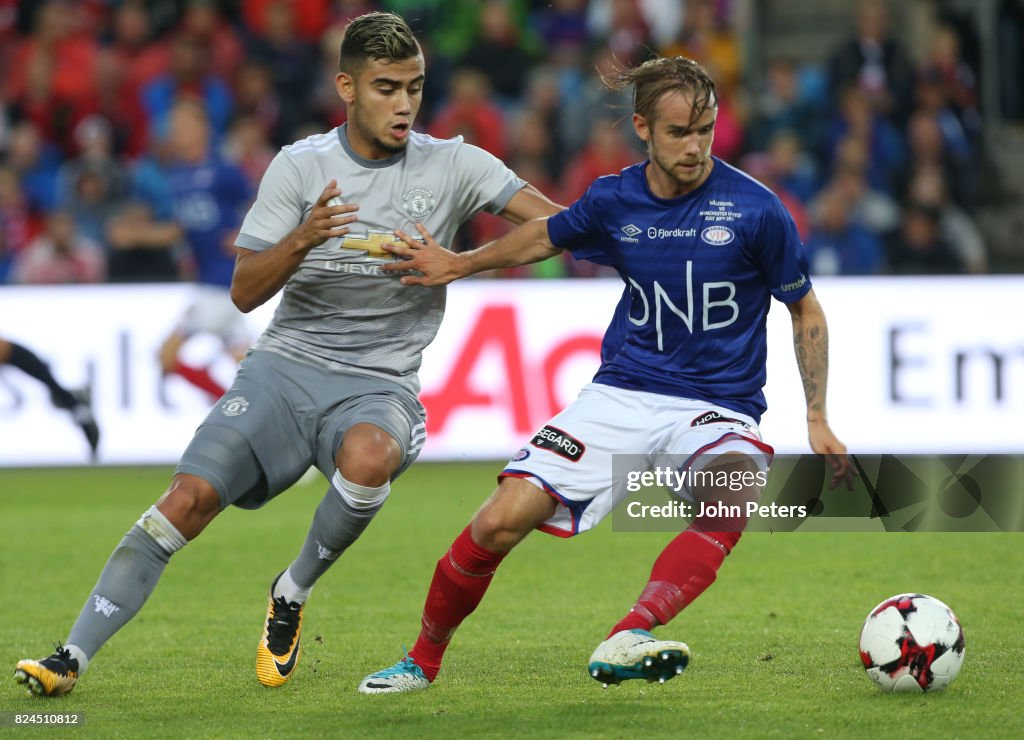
(279,206)
(579,230)
(485,183)
(781,254)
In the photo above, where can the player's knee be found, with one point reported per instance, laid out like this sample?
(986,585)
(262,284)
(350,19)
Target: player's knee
(189,504)
(360,497)
(726,486)
(369,456)
(494,530)
(511,513)
(491,533)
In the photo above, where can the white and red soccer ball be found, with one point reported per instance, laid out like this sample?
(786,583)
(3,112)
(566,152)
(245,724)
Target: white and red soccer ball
(912,643)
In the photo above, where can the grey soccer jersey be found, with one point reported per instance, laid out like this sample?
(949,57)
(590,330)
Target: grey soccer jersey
(339,309)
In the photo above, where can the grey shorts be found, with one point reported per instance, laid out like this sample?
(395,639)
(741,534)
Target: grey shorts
(286,416)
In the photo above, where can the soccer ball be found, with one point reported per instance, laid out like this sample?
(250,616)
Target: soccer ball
(912,643)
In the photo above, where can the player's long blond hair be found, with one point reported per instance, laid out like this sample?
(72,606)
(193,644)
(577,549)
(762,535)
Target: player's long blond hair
(656,77)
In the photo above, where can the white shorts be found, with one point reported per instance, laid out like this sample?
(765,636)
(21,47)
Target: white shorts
(571,457)
(213,312)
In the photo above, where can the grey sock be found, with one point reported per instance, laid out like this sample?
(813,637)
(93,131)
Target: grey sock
(126,582)
(336,525)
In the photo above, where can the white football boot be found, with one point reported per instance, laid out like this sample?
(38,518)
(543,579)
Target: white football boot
(637,654)
(403,676)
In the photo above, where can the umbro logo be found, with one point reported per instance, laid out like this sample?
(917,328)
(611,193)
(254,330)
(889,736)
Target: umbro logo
(630,233)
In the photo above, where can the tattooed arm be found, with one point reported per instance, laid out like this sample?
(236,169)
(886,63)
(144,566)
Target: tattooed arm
(810,340)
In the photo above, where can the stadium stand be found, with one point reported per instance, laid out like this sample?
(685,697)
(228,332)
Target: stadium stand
(920,100)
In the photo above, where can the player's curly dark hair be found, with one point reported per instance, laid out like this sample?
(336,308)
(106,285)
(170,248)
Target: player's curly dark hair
(655,77)
(376,36)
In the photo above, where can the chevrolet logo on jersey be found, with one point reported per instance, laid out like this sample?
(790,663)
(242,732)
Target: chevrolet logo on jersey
(371,242)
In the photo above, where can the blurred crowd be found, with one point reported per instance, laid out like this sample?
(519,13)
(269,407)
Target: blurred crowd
(874,154)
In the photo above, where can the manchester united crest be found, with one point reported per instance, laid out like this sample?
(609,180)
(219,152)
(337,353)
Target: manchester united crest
(418,203)
(234,406)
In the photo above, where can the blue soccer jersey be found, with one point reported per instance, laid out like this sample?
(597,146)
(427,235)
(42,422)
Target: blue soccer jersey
(699,271)
(209,201)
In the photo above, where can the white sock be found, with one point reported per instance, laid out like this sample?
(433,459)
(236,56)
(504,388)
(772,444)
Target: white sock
(80,656)
(290,590)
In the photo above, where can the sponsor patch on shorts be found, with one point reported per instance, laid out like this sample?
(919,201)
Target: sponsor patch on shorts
(555,440)
(714,417)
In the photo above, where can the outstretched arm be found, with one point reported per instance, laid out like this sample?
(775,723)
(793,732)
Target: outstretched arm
(259,275)
(527,204)
(440,266)
(523,245)
(810,340)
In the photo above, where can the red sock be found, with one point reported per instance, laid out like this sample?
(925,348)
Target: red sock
(199,377)
(460,580)
(682,572)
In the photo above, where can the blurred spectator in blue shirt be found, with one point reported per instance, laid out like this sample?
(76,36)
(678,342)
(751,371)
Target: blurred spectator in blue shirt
(210,197)
(15,220)
(870,207)
(188,77)
(36,163)
(838,244)
(794,167)
(783,106)
(563,22)
(886,152)
(92,184)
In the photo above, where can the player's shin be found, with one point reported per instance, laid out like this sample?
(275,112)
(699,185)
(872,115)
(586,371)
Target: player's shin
(460,581)
(683,571)
(689,563)
(344,513)
(125,583)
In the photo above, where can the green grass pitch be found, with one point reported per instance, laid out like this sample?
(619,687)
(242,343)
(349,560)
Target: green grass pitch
(773,641)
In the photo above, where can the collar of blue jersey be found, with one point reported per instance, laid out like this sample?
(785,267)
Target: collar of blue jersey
(363,161)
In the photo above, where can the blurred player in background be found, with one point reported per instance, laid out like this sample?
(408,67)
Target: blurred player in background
(702,248)
(209,196)
(76,402)
(332,382)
